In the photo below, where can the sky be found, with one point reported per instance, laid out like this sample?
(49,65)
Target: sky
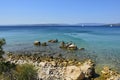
(59,11)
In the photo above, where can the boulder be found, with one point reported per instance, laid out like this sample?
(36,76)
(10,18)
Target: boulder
(68,44)
(62,44)
(73,73)
(72,47)
(37,43)
(88,69)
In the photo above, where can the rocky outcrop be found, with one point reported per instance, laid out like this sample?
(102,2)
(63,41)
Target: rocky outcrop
(37,43)
(69,46)
(56,69)
(74,73)
(62,45)
(88,68)
(109,74)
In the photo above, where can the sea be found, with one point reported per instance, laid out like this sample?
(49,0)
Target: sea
(101,43)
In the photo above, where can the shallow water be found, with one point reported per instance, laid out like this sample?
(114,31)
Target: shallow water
(101,43)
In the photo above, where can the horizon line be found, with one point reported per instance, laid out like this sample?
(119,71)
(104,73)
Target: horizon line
(57,24)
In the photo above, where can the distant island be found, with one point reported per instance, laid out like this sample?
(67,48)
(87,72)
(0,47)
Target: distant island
(117,24)
(65,25)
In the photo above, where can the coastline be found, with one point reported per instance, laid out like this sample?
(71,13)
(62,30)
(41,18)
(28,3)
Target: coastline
(63,69)
(55,68)
(44,63)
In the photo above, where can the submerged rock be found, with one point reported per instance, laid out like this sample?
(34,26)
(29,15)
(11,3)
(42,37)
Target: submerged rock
(44,44)
(81,49)
(53,41)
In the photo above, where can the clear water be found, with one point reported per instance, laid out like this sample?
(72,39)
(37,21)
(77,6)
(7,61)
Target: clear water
(101,43)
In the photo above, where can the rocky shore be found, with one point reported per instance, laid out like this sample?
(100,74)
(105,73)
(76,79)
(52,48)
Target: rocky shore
(60,68)
(49,68)
(56,69)
(110,74)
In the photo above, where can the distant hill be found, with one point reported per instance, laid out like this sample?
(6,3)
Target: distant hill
(90,24)
(79,24)
(116,24)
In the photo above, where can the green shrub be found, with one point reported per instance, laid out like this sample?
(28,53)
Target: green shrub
(2,42)
(6,67)
(25,72)
(9,71)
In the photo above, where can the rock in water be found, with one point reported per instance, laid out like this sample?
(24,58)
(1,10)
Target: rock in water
(72,47)
(53,41)
(37,43)
(44,44)
(82,49)
(62,44)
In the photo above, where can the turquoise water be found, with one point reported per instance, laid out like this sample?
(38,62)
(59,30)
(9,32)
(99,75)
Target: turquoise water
(101,43)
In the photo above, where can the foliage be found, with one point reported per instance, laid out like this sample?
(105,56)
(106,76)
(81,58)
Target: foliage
(25,72)
(2,42)
(17,72)
(6,67)
(10,71)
